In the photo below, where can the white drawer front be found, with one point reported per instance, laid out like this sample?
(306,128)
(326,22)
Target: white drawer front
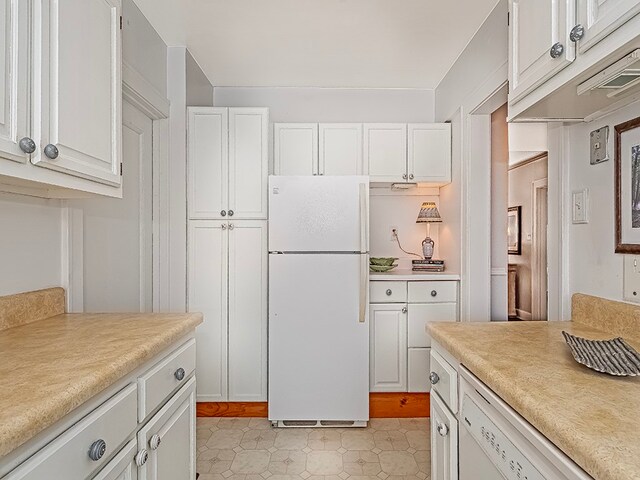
(388,292)
(421,314)
(68,455)
(158,383)
(433,292)
(419,369)
(446,380)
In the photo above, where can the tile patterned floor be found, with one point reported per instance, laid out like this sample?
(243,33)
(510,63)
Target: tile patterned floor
(250,449)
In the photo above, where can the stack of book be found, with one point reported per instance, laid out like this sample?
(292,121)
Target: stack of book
(428,265)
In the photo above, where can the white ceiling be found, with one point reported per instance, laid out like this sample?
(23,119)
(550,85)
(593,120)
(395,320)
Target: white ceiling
(320,43)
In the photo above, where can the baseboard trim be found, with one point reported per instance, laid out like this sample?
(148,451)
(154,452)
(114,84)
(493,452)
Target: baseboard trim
(232,409)
(381,405)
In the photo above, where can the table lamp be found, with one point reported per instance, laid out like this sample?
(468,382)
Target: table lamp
(428,214)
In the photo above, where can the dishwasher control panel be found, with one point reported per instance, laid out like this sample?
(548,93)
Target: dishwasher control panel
(501,451)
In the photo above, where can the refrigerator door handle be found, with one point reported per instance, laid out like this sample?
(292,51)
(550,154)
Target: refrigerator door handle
(364,283)
(364,218)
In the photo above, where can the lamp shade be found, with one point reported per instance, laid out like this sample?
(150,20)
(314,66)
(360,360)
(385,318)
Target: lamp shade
(429,213)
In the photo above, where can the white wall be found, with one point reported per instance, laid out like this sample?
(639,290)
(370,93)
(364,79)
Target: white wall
(332,104)
(31,244)
(594,267)
(199,88)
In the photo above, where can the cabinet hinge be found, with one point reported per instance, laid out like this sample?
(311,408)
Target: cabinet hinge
(120,22)
(120,168)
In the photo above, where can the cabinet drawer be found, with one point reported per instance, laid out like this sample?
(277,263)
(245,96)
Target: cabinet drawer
(158,383)
(68,455)
(421,314)
(419,369)
(445,381)
(433,292)
(388,292)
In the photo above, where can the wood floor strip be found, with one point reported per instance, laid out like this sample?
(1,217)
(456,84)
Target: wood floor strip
(232,409)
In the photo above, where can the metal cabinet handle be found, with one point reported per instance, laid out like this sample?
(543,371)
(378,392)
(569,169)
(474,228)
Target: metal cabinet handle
(434,293)
(224,226)
(223,213)
(556,50)
(577,33)
(231,213)
(97,450)
(142,457)
(27,145)
(155,442)
(404,176)
(443,430)
(434,378)
(179,374)
(404,309)
(51,151)
(411,176)
(231,226)
(388,292)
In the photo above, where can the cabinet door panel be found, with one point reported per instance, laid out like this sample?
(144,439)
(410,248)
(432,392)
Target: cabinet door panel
(419,369)
(429,153)
(388,350)
(340,149)
(421,314)
(123,466)
(248,260)
(444,441)
(295,147)
(385,151)
(248,162)
(601,17)
(208,294)
(207,159)
(536,25)
(14,81)
(78,95)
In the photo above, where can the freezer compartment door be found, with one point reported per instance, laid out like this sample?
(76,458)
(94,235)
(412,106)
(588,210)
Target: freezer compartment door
(319,214)
(318,338)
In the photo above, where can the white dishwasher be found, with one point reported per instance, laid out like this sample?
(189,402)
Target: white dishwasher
(496,443)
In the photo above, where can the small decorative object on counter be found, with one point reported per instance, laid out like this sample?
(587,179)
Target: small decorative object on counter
(428,214)
(427,265)
(382,264)
(615,356)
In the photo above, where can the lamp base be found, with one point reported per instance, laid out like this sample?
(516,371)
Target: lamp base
(427,248)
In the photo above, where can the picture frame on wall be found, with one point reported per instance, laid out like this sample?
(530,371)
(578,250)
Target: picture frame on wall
(627,185)
(514,230)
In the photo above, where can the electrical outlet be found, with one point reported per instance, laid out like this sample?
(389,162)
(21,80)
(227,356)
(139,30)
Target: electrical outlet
(631,282)
(599,142)
(393,232)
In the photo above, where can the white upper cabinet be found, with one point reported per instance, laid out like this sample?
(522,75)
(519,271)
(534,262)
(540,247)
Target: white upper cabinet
(208,165)
(14,57)
(228,163)
(340,149)
(385,151)
(540,45)
(429,153)
(77,88)
(295,149)
(599,18)
(248,162)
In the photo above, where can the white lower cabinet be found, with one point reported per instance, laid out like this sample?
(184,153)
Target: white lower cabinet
(228,284)
(170,439)
(388,348)
(123,466)
(444,441)
(419,369)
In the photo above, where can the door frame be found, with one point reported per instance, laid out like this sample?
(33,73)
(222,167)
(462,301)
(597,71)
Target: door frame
(539,307)
(142,95)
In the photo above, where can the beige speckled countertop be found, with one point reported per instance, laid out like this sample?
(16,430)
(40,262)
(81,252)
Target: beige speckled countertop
(51,366)
(592,417)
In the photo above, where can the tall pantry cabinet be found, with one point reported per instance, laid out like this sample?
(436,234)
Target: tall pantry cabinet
(227,250)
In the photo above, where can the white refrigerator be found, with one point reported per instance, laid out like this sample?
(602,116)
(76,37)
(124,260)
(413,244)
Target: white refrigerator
(318,300)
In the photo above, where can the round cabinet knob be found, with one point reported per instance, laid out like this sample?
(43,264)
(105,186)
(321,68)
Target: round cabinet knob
(434,293)
(51,151)
(411,176)
(231,226)
(231,213)
(434,378)
(404,309)
(556,50)
(179,374)
(223,213)
(142,457)
(27,145)
(224,226)
(155,442)
(388,292)
(404,176)
(577,33)
(443,430)
(97,450)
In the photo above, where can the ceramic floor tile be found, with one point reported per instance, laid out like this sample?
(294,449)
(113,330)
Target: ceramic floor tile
(258,439)
(385,423)
(415,424)
(325,439)
(418,440)
(288,462)
(390,440)
(291,439)
(358,440)
(398,463)
(251,461)
(324,463)
(225,439)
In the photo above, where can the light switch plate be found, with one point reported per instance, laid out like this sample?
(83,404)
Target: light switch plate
(631,280)
(599,145)
(580,206)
